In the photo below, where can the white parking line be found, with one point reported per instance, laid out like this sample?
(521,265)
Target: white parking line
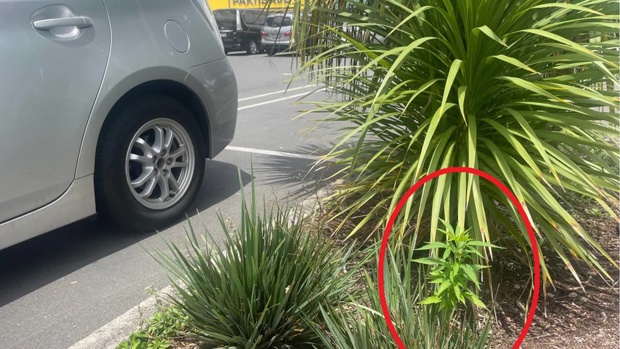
(274,93)
(273,101)
(274,153)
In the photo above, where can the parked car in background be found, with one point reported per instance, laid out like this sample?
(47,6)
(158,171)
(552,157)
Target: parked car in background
(240,29)
(277,32)
(121,130)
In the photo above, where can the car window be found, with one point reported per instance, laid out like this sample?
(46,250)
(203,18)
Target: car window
(277,21)
(225,17)
(254,17)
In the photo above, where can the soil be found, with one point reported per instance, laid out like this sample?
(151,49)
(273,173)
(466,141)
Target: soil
(185,344)
(570,317)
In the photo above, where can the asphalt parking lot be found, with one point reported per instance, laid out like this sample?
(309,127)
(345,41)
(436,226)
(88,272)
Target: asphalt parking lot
(58,288)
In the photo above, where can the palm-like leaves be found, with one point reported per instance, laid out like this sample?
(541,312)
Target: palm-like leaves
(264,288)
(521,89)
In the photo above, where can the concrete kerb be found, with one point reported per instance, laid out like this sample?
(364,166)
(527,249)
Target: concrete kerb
(119,329)
(313,203)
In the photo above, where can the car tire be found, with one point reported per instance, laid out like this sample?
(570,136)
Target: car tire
(150,164)
(252,48)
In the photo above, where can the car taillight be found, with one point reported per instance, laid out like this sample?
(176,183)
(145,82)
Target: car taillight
(264,33)
(288,33)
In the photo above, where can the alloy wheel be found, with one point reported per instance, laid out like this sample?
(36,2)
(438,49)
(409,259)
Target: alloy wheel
(159,163)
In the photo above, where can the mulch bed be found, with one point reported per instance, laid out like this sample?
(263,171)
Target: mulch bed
(569,317)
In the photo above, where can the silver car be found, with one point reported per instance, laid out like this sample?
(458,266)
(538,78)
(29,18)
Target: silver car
(109,107)
(276,33)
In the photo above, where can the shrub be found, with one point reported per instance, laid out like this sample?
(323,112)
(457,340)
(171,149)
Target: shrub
(523,90)
(455,271)
(264,288)
(420,326)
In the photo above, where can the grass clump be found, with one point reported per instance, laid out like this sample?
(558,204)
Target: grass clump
(266,285)
(166,324)
(420,325)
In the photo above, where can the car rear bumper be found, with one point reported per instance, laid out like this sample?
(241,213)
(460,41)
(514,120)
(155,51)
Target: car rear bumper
(216,86)
(280,44)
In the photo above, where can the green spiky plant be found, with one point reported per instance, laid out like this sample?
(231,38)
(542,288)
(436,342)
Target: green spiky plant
(521,89)
(419,326)
(264,288)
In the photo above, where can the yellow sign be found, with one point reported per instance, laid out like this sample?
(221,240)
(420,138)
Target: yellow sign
(246,4)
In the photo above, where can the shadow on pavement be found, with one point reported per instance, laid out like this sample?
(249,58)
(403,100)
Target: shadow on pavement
(303,175)
(32,264)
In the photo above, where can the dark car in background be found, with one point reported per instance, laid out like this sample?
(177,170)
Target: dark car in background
(240,29)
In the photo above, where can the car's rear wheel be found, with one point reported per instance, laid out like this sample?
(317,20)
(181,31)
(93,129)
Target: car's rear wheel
(252,48)
(150,164)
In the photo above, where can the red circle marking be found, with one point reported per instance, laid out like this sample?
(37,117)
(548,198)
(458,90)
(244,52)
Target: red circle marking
(515,202)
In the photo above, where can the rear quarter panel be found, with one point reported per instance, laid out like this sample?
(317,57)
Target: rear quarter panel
(141,53)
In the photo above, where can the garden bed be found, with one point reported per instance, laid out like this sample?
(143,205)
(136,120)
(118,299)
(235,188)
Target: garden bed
(570,316)
(567,318)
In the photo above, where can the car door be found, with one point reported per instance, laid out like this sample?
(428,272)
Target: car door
(53,56)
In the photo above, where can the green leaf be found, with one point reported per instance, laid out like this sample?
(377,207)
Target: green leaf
(488,32)
(569,6)
(430,300)
(568,44)
(462,91)
(475,300)
(515,62)
(457,292)
(469,271)
(432,246)
(428,261)
(532,87)
(444,286)
(454,69)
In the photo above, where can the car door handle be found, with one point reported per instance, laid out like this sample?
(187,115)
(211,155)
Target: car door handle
(79,21)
